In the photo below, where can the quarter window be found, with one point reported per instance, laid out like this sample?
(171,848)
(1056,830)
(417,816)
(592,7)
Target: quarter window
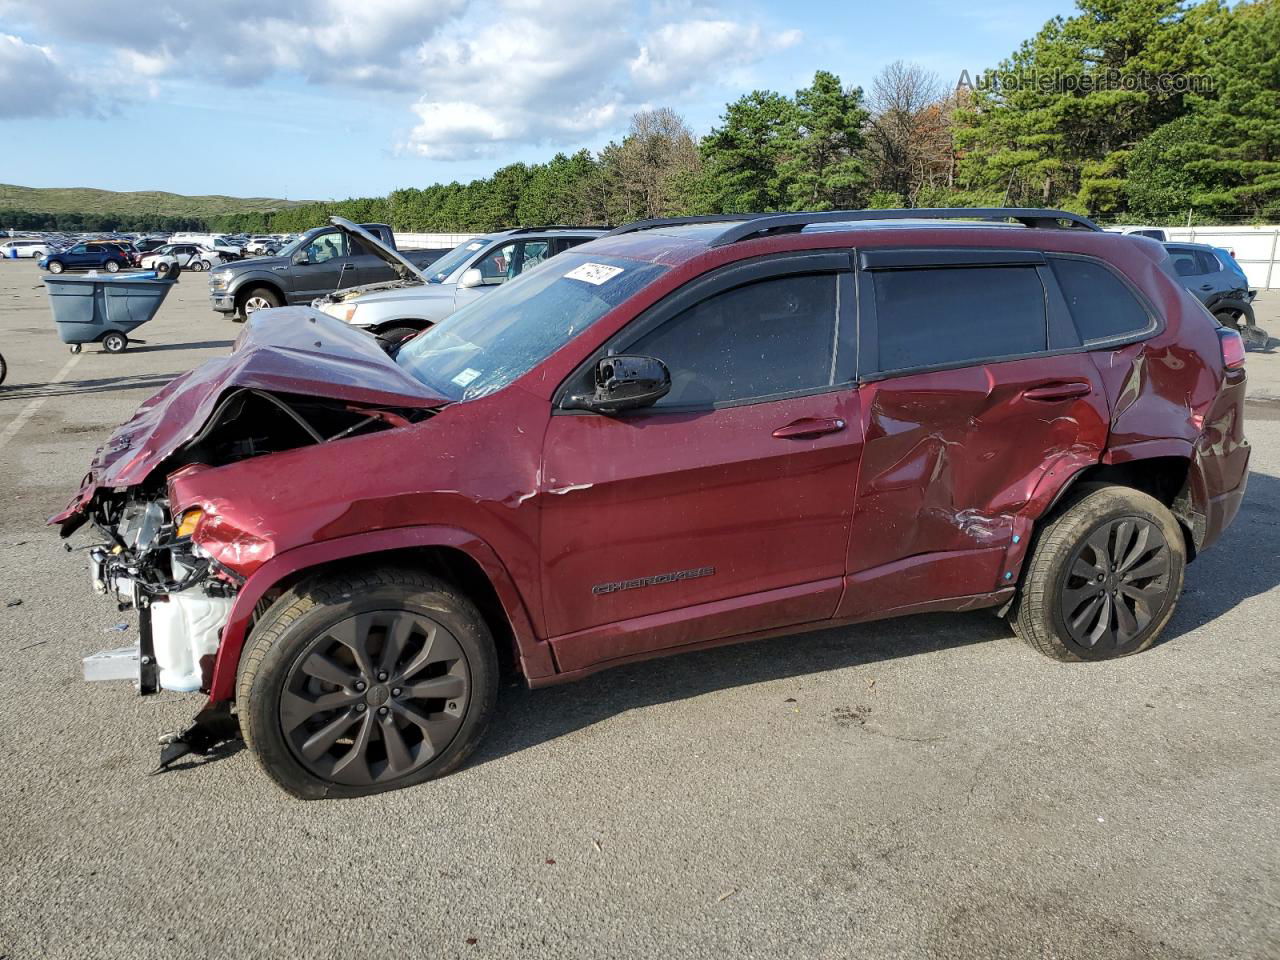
(1101,305)
(955,315)
(762,339)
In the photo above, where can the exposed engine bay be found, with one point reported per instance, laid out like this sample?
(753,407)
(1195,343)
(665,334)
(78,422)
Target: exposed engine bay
(151,562)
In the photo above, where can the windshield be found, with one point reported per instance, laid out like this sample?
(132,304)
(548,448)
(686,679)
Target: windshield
(504,334)
(452,260)
(289,249)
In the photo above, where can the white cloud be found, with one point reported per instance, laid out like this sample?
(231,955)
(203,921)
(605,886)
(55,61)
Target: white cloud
(678,55)
(481,77)
(33,82)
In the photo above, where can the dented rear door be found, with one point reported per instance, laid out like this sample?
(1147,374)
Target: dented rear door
(978,404)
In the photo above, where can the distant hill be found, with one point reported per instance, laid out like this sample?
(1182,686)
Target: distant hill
(146,202)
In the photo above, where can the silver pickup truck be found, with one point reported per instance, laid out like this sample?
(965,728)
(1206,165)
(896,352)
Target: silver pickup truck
(416,298)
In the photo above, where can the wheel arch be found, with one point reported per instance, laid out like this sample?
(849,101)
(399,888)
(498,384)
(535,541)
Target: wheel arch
(455,555)
(249,284)
(1163,469)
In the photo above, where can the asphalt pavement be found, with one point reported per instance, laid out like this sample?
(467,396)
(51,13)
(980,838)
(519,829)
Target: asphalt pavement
(926,787)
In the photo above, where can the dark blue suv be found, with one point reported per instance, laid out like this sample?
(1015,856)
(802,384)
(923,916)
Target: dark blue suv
(86,256)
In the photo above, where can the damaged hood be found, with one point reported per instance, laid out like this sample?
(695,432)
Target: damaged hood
(291,350)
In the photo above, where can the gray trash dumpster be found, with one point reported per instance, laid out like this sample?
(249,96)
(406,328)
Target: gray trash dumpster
(104,307)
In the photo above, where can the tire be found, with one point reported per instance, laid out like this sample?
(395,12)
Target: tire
(259,298)
(55,266)
(196,266)
(36,256)
(112,266)
(306,648)
(115,342)
(4,370)
(1082,572)
(76,347)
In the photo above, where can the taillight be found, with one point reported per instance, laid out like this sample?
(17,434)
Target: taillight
(1232,349)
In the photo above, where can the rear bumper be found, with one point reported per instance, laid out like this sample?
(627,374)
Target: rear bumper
(1221,509)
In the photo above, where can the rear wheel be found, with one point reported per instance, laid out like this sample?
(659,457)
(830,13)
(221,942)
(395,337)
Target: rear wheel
(1103,578)
(113,266)
(352,685)
(196,266)
(4,370)
(115,342)
(259,298)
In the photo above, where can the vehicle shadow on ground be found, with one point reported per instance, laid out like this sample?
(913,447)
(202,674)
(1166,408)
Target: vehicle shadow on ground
(150,381)
(1241,565)
(525,718)
(198,345)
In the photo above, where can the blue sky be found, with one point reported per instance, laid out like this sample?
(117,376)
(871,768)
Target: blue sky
(317,99)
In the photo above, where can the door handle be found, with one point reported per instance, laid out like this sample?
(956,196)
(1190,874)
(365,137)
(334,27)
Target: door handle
(1050,392)
(809,427)
(348,266)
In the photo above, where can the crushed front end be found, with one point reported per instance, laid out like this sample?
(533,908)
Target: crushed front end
(299,381)
(148,562)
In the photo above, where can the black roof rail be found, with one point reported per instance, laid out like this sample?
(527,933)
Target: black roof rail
(556,226)
(638,225)
(770,223)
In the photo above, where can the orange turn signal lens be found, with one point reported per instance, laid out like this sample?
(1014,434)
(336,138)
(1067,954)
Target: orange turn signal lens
(187,526)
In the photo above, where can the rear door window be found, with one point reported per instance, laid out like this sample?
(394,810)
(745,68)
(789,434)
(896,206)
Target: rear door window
(956,315)
(1185,262)
(1101,304)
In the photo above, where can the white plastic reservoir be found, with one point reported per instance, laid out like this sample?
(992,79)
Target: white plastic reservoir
(185,628)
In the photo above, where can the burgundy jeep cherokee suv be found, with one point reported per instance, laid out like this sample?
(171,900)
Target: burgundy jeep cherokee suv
(685,433)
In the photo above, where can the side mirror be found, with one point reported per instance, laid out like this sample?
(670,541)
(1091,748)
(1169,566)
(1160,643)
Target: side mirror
(471,278)
(625,383)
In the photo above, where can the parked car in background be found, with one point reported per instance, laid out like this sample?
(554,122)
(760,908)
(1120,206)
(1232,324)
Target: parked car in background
(86,256)
(1216,280)
(260,245)
(318,262)
(189,256)
(227,248)
(19,249)
(402,307)
(684,433)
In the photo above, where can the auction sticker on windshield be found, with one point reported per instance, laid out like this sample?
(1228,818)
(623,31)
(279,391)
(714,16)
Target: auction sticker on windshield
(593,273)
(466,376)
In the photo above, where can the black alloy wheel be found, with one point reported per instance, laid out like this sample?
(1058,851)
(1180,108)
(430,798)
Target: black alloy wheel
(1116,583)
(375,697)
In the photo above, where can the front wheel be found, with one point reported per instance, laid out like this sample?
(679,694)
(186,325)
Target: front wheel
(4,370)
(1103,578)
(259,298)
(55,266)
(352,685)
(115,342)
(113,266)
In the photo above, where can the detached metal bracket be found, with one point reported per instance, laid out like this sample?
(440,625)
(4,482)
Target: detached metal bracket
(210,728)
